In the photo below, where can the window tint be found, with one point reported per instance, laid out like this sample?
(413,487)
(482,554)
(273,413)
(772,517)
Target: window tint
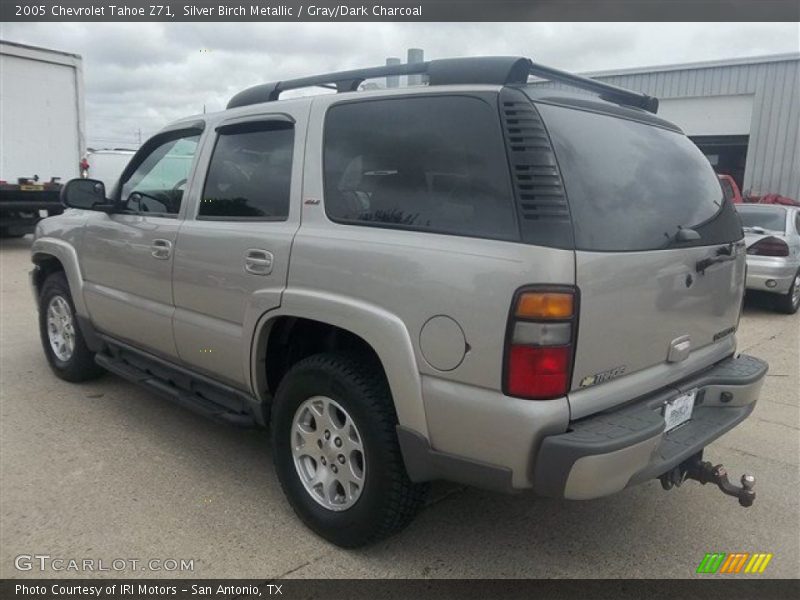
(772,219)
(158,183)
(428,163)
(250,173)
(630,186)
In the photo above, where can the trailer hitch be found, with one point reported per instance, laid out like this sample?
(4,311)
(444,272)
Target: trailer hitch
(705,472)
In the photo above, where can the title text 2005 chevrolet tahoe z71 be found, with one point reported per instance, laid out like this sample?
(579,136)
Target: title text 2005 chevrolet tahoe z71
(478,280)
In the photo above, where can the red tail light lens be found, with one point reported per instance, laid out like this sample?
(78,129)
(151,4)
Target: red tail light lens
(539,347)
(769,246)
(538,372)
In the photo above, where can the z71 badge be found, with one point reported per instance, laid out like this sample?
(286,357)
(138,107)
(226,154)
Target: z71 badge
(603,376)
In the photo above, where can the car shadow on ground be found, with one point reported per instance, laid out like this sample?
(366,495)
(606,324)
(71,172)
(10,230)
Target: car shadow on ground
(756,302)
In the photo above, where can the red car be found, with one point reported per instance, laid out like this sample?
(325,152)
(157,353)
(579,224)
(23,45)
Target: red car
(732,192)
(730,189)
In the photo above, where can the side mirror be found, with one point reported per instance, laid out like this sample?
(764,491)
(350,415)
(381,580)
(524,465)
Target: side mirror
(88,194)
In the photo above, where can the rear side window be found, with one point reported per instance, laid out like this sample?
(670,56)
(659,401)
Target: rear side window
(428,163)
(250,173)
(631,186)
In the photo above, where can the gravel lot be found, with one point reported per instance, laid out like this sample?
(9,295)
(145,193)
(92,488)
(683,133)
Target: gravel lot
(106,470)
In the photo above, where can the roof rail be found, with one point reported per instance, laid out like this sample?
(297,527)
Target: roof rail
(493,70)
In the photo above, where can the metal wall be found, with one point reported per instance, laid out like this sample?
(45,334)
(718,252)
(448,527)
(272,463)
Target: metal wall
(773,152)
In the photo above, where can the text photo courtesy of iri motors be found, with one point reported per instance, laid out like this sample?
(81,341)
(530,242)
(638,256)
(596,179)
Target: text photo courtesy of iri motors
(321,302)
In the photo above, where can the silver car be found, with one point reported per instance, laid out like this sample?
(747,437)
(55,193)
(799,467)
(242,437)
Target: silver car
(772,236)
(477,280)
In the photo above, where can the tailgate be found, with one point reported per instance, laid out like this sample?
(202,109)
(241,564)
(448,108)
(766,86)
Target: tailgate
(648,319)
(659,257)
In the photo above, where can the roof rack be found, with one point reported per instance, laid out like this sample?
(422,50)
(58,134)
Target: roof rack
(493,70)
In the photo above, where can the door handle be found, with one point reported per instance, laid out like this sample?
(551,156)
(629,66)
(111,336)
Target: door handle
(161,249)
(258,262)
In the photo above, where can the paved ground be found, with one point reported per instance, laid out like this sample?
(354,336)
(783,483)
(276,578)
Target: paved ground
(106,470)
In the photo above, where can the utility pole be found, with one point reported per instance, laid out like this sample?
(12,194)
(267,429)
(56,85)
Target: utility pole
(139,132)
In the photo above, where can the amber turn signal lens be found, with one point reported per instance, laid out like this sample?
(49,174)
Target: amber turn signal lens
(545,305)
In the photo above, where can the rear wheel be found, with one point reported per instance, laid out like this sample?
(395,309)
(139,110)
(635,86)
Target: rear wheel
(336,452)
(790,301)
(62,340)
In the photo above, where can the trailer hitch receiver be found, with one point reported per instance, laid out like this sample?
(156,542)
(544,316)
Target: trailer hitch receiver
(705,472)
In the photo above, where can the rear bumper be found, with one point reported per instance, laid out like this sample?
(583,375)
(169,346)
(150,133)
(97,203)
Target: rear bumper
(778,272)
(605,453)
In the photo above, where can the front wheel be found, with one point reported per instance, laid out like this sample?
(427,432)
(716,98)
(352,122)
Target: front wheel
(790,301)
(62,340)
(336,451)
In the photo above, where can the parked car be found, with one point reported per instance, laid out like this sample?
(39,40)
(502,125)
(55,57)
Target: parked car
(477,280)
(772,235)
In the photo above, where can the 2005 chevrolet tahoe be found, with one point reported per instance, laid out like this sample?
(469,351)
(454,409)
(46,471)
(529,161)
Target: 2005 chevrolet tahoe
(478,279)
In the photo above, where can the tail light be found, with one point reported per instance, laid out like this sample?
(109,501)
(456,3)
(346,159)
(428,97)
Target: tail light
(540,343)
(769,246)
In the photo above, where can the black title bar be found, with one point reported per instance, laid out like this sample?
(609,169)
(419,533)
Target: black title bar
(404,10)
(712,588)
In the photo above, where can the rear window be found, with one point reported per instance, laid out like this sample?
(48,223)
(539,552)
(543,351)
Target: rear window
(631,186)
(772,219)
(428,163)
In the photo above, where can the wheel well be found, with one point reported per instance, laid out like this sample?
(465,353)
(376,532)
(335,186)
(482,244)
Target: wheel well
(291,339)
(47,265)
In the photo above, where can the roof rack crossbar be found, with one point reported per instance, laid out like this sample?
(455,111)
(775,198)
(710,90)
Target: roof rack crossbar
(496,70)
(606,91)
(343,81)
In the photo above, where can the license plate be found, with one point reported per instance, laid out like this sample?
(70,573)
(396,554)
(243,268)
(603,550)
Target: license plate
(679,410)
(31,187)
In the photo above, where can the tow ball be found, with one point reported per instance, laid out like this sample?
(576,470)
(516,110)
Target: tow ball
(705,472)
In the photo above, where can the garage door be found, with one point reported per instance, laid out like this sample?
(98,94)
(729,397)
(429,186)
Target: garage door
(713,115)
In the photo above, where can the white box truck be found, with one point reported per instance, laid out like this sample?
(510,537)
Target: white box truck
(42,135)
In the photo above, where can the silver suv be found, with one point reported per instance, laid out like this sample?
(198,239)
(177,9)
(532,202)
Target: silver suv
(480,279)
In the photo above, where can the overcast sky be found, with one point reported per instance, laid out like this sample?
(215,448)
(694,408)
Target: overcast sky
(141,76)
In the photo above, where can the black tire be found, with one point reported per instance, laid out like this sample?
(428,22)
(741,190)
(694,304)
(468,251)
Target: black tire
(786,303)
(80,366)
(389,499)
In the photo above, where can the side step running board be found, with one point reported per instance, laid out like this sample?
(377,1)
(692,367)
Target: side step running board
(217,402)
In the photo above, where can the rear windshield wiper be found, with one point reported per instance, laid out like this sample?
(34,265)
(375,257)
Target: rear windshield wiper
(684,234)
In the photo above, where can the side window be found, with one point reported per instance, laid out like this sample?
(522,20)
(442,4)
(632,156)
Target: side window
(797,222)
(435,163)
(250,173)
(158,183)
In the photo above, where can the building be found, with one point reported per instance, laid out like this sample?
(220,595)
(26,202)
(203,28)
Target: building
(744,114)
